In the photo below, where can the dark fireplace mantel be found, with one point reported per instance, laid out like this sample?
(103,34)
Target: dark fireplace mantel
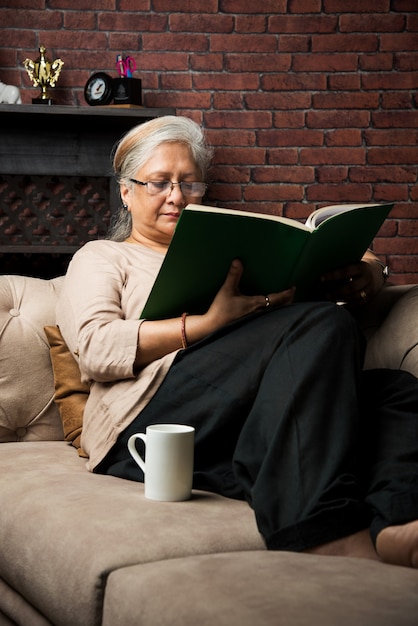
(40,142)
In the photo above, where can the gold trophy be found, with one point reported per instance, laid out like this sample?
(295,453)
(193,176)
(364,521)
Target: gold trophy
(44,74)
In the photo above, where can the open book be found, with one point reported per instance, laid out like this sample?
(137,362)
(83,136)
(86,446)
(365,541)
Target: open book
(276,252)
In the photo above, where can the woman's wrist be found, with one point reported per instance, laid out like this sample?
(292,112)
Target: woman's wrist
(384,270)
(379,270)
(196,327)
(380,274)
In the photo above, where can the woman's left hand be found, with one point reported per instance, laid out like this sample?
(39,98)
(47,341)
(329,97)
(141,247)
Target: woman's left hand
(354,284)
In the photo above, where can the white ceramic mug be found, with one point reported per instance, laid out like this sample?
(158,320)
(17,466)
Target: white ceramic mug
(168,464)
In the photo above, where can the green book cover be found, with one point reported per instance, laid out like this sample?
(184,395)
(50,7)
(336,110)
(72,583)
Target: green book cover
(276,253)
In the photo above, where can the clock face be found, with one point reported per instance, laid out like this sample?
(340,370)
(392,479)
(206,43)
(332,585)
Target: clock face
(98,89)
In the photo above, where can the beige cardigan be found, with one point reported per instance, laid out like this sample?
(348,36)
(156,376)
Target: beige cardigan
(98,311)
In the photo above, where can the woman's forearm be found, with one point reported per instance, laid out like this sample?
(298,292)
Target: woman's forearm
(160,337)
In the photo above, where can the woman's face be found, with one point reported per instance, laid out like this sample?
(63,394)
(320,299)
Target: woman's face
(154,217)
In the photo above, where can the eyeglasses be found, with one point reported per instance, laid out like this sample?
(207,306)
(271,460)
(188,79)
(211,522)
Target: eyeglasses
(160,187)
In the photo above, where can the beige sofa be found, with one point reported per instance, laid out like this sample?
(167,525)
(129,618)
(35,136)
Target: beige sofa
(82,549)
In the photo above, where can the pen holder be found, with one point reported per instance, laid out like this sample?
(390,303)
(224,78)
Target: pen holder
(127,91)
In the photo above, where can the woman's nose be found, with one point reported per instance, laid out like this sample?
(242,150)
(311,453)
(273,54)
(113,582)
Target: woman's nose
(176,193)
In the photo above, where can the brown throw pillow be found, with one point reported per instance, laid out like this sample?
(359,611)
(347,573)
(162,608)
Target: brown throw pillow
(70,393)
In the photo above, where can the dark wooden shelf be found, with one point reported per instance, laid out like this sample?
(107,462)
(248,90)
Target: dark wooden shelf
(64,140)
(56,110)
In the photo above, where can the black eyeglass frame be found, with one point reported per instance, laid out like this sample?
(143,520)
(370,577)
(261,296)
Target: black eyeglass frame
(202,186)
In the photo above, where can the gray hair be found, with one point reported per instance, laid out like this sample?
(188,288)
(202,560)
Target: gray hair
(137,147)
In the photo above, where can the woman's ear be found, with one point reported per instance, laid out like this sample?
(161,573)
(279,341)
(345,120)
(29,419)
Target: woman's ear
(125,194)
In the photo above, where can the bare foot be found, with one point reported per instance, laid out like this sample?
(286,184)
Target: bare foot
(399,544)
(357,545)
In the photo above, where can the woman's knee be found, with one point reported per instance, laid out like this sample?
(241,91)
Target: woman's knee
(330,327)
(327,316)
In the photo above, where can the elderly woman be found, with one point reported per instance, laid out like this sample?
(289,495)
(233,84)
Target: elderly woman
(325,454)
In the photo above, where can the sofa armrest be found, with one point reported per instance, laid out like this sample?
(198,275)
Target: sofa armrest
(391,328)
(27,408)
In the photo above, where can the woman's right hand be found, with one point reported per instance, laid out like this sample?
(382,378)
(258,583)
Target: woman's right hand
(230,304)
(157,338)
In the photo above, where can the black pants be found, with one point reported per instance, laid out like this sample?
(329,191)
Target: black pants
(286,419)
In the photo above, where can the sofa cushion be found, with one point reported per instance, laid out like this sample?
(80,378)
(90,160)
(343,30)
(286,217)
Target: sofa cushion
(262,589)
(70,393)
(27,409)
(16,610)
(64,529)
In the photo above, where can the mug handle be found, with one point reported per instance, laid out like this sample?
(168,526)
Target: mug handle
(134,452)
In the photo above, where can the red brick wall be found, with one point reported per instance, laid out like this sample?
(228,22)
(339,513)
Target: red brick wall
(308,102)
